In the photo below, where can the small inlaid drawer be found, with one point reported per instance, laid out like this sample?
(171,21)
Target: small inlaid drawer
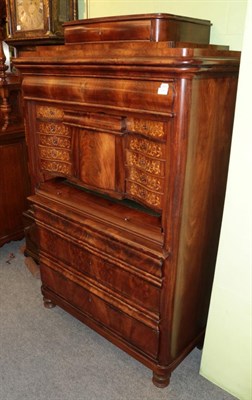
(54,153)
(151,182)
(151,128)
(144,195)
(53,128)
(147,147)
(56,167)
(150,165)
(55,141)
(49,112)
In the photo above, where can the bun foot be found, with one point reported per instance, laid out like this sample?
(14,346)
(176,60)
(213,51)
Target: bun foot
(161,380)
(48,303)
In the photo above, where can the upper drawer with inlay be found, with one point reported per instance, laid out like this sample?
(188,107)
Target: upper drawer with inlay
(156,129)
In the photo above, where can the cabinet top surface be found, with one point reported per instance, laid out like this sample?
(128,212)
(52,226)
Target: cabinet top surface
(137,17)
(140,39)
(128,54)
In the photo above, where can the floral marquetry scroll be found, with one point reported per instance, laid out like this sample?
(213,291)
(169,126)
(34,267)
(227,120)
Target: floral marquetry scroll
(145,165)
(54,154)
(152,166)
(49,112)
(151,199)
(56,167)
(53,128)
(147,127)
(55,141)
(145,146)
(152,182)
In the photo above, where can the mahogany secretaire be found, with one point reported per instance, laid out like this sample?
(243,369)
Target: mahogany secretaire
(129,129)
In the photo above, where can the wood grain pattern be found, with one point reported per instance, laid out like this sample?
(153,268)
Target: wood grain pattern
(97,159)
(148,27)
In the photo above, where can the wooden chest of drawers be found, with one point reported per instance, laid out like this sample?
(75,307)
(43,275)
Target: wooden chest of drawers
(107,273)
(129,148)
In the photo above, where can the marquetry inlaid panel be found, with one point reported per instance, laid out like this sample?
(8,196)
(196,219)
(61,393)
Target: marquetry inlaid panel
(53,128)
(145,146)
(62,168)
(63,142)
(152,199)
(141,177)
(155,167)
(49,112)
(55,141)
(145,166)
(54,154)
(150,128)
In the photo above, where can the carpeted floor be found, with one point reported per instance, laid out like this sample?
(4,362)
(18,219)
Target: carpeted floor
(49,355)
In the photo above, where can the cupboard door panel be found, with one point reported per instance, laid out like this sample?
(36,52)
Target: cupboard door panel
(97,159)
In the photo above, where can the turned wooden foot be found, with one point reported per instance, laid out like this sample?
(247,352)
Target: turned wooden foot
(48,303)
(161,380)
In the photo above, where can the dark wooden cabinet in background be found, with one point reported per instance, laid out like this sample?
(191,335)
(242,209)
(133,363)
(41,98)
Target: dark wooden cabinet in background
(129,133)
(14,179)
(29,25)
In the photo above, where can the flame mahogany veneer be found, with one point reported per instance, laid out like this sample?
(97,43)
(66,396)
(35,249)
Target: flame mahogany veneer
(129,146)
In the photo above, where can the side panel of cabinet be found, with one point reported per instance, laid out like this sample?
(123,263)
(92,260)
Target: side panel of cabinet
(207,157)
(14,186)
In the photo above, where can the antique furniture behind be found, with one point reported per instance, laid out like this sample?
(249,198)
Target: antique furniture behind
(38,21)
(14,179)
(129,133)
(32,23)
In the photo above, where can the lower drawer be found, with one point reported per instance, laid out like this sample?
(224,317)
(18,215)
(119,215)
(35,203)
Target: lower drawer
(136,286)
(108,314)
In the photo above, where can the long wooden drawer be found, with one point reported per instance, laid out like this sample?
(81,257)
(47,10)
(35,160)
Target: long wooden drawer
(137,288)
(124,321)
(125,94)
(109,242)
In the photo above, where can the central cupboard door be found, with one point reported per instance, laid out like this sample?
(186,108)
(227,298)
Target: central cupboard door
(98,151)
(97,159)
